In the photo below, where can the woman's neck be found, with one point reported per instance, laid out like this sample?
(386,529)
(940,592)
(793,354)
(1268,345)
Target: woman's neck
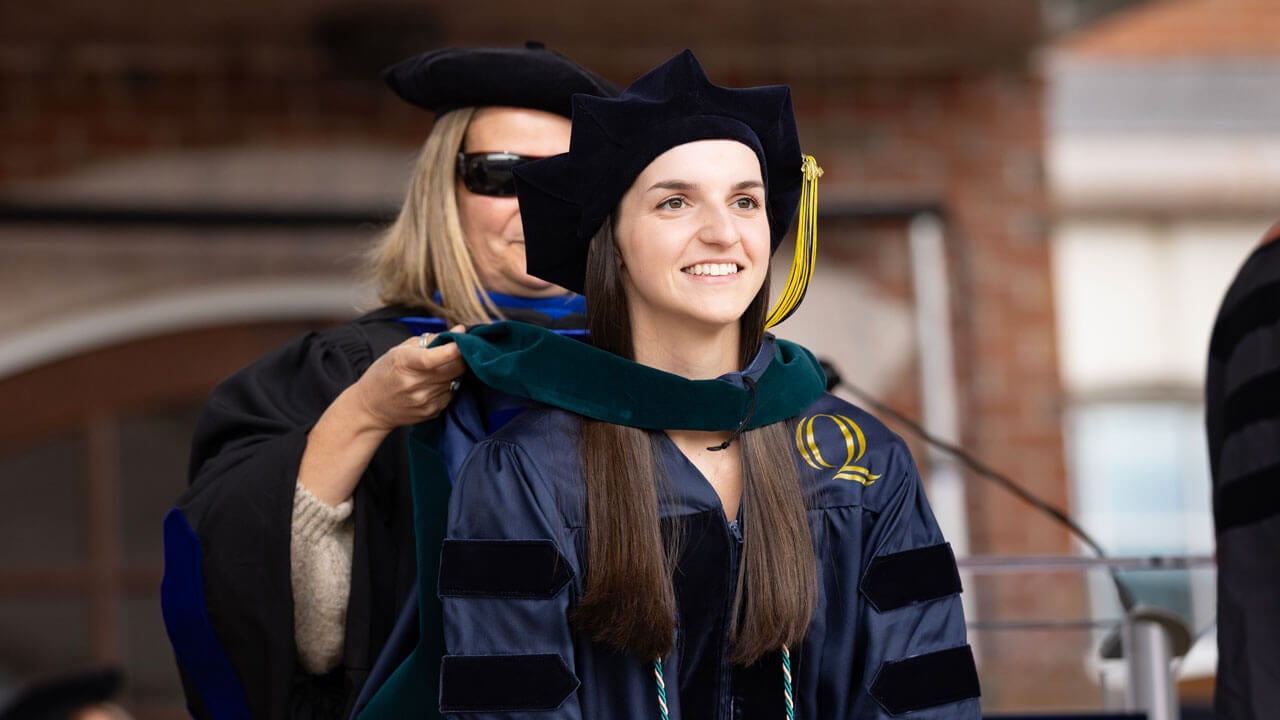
(697,353)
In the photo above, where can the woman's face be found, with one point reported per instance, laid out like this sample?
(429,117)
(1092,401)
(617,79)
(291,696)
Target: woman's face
(491,225)
(693,236)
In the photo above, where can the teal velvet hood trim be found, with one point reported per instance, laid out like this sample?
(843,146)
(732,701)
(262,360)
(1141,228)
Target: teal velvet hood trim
(533,363)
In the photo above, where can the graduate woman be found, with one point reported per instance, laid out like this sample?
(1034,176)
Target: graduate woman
(291,554)
(691,527)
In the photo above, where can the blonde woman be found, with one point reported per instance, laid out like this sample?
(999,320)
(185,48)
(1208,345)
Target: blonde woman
(291,554)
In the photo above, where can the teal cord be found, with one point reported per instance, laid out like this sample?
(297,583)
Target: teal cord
(786,685)
(662,688)
(786,682)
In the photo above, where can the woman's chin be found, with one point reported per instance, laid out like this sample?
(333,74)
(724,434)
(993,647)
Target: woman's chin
(711,321)
(532,287)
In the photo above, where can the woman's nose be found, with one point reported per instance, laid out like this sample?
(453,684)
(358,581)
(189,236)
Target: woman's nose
(717,227)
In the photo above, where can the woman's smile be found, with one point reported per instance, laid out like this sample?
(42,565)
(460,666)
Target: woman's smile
(713,269)
(694,237)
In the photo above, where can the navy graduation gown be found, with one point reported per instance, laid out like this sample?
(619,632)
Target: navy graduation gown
(887,637)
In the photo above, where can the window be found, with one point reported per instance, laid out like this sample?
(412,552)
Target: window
(1141,483)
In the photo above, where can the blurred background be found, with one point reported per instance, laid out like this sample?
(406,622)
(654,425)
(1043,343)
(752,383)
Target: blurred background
(1030,212)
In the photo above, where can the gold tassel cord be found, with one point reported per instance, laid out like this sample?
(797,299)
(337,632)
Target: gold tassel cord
(802,263)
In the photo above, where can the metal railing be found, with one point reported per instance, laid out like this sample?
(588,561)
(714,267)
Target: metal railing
(1131,650)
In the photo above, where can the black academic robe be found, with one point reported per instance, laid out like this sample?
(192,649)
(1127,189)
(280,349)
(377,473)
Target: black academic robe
(887,638)
(1242,417)
(227,595)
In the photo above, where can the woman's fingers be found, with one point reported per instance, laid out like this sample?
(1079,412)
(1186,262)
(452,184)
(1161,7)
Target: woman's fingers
(443,362)
(424,340)
(413,381)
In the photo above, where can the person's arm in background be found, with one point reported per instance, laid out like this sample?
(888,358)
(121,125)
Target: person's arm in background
(230,537)
(404,386)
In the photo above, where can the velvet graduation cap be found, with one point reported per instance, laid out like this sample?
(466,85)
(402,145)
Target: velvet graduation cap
(530,77)
(565,199)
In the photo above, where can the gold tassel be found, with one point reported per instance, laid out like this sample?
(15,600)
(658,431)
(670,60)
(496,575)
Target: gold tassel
(806,247)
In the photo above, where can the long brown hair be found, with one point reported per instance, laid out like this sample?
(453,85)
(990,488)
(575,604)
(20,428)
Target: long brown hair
(629,602)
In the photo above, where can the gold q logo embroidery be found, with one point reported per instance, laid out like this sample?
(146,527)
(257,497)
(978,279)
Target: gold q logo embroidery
(816,430)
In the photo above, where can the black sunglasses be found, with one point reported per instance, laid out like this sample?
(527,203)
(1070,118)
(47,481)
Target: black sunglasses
(489,173)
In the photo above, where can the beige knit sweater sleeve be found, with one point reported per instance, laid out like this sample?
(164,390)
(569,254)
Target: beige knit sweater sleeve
(320,554)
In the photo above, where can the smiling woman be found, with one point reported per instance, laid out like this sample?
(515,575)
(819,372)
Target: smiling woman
(658,540)
(694,237)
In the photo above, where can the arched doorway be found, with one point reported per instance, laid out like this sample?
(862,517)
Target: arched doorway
(93,452)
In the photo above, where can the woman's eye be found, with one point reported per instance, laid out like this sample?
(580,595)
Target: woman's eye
(674,203)
(746,203)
